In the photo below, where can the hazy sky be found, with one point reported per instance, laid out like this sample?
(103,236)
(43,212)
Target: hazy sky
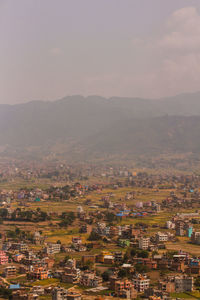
(53,48)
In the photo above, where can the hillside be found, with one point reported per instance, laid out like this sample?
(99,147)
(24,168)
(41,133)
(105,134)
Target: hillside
(95,125)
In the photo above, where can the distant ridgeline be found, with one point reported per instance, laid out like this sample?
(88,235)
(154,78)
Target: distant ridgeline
(94,127)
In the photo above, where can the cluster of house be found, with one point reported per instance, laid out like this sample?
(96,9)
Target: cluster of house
(128,235)
(182,225)
(122,210)
(18,259)
(129,289)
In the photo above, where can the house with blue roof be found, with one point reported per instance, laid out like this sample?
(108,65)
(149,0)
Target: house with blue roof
(14,286)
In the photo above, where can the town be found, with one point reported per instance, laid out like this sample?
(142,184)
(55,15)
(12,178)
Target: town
(76,232)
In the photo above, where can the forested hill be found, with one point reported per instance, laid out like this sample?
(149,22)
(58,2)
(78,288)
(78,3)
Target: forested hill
(96,124)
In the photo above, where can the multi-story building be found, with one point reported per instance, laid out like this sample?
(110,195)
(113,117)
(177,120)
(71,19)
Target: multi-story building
(167,286)
(90,279)
(38,290)
(184,283)
(52,249)
(118,256)
(195,238)
(59,293)
(22,247)
(22,295)
(170,225)
(125,289)
(141,282)
(161,237)
(71,275)
(76,240)
(144,243)
(179,226)
(10,271)
(3,258)
(39,273)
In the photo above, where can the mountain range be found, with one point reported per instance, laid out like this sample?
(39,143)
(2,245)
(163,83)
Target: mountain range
(82,127)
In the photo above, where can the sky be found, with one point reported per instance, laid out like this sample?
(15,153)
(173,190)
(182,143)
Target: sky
(132,48)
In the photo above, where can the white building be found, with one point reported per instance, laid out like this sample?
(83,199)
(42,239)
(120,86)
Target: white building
(170,225)
(162,237)
(141,283)
(52,249)
(80,210)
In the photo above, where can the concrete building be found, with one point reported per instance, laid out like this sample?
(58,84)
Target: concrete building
(23,295)
(144,243)
(161,237)
(22,247)
(52,249)
(170,225)
(90,279)
(195,238)
(184,284)
(39,273)
(3,258)
(59,293)
(141,282)
(10,271)
(125,289)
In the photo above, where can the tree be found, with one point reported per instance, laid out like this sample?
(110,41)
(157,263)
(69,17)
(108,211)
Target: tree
(171,253)
(67,257)
(3,213)
(127,255)
(17,231)
(106,275)
(94,236)
(197,281)
(110,217)
(133,252)
(5,293)
(141,268)
(122,273)
(143,254)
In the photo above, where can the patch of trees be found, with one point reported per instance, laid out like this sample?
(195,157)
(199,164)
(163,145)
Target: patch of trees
(132,252)
(110,217)
(106,275)
(140,268)
(29,215)
(5,293)
(3,213)
(67,218)
(19,234)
